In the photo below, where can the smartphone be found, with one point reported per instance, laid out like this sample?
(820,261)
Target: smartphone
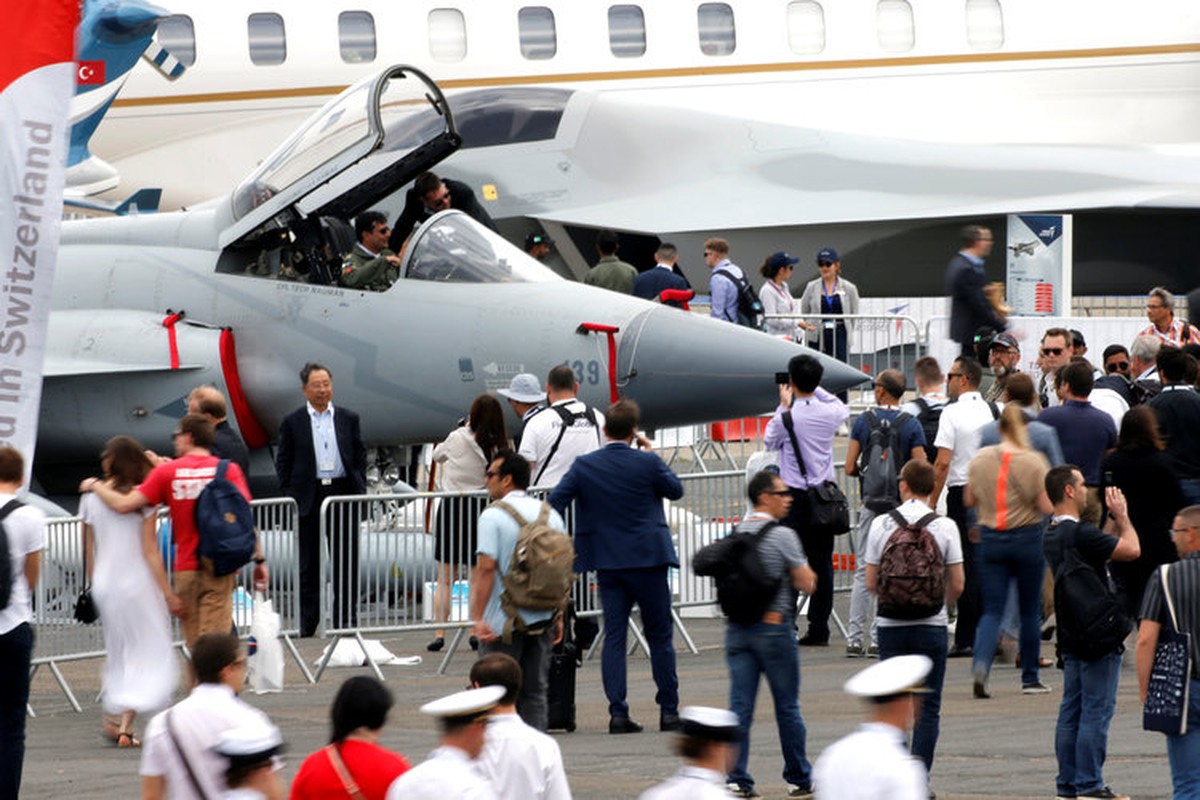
(1108,479)
(781,378)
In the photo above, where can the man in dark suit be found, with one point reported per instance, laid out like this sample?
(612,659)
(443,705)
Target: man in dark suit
(650,284)
(965,279)
(429,195)
(209,402)
(621,532)
(321,454)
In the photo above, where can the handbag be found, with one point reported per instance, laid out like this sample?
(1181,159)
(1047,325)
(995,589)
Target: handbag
(85,608)
(828,511)
(1166,705)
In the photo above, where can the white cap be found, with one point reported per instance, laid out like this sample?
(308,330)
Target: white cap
(892,676)
(524,388)
(715,724)
(465,705)
(251,742)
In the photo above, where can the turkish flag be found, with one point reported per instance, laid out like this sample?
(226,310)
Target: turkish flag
(89,73)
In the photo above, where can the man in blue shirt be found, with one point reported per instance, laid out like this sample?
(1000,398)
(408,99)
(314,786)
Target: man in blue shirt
(724,289)
(889,388)
(1085,432)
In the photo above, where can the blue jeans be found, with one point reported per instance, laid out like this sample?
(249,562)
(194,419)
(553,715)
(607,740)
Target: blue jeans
(1184,751)
(533,654)
(1081,736)
(763,649)
(1015,553)
(924,640)
(650,589)
(16,650)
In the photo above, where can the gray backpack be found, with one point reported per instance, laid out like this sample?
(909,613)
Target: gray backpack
(880,462)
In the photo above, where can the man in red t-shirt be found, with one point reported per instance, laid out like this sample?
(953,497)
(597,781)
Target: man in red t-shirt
(207,601)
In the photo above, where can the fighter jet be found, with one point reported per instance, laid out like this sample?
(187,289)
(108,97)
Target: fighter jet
(1023,248)
(242,292)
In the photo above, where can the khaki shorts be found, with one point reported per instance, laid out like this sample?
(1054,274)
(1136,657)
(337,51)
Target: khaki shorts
(207,602)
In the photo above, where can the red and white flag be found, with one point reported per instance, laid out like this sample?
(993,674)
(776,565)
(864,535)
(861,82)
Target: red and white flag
(37,79)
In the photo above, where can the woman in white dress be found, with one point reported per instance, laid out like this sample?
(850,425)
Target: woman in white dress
(129,586)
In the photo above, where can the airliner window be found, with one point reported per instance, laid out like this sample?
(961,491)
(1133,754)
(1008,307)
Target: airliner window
(626,31)
(453,248)
(717,36)
(806,26)
(538,37)
(356,37)
(894,25)
(447,35)
(177,35)
(268,44)
(985,24)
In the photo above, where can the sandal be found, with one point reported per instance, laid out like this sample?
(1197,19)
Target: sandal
(110,727)
(126,739)
(1042,662)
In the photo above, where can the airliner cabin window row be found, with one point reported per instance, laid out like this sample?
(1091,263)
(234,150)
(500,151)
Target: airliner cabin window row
(539,40)
(806,27)
(717,36)
(985,24)
(894,26)
(177,35)
(447,35)
(356,37)
(268,42)
(626,31)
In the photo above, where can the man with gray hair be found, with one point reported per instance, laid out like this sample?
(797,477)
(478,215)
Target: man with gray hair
(1143,366)
(1160,310)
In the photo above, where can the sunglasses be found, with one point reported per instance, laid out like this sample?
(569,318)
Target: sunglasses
(954,374)
(781,493)
(1052,351)
(1117,366)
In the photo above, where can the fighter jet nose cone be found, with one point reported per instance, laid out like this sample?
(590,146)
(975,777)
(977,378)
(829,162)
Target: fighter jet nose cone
(705,369)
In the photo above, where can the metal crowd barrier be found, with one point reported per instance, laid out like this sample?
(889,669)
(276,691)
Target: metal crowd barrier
(398,575)
(59,638)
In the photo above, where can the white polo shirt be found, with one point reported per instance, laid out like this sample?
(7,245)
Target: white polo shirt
(26,528)
(958,430)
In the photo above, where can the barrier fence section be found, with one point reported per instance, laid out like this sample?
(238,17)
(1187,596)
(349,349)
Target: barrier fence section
(405,560)
(59,638)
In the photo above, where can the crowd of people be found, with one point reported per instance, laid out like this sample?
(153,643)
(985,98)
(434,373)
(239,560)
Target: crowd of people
(1098,463)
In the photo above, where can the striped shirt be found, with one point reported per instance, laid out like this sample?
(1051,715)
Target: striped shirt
(1184,582)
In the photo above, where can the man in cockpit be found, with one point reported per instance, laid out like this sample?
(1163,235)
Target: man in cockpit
(370,265)
(429,195)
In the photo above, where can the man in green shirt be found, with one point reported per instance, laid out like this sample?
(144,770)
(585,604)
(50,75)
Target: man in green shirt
(370,265)
(611,272)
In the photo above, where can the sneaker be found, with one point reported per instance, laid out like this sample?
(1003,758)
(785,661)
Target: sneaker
(737,790)
(980,688)
(800,792)
(855,651)
(873,651)
(1040,688)
(1104,793)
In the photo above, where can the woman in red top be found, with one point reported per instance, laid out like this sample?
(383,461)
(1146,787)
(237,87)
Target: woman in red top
(353,764)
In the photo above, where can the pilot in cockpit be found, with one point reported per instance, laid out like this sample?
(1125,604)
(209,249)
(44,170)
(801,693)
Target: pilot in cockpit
(370,265)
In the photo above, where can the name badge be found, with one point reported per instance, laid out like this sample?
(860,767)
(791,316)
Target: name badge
(326,465)
(830,324)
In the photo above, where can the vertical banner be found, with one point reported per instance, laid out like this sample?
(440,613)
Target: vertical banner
(37,80)
(1039,264)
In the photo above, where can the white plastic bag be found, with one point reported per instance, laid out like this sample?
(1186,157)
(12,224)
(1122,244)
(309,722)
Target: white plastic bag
(265,650)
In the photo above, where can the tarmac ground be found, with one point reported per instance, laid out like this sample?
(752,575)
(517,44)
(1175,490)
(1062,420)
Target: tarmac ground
(997,748)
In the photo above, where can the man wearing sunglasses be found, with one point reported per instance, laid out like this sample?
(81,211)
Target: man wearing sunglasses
(1055,353)
(429,195)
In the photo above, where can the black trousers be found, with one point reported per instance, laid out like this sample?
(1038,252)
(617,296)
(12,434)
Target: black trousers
(970,602)
(818,549)
(16,652)
(342,539)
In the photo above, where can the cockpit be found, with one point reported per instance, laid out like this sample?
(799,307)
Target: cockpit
(292,217)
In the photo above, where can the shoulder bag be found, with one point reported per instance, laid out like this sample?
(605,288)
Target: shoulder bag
(343,774)
(828,511)
(85,608)
(1166,705)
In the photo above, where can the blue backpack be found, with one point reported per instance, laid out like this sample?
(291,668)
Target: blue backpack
(225,523)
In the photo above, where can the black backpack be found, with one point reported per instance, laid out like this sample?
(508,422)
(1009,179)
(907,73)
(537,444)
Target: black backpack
(749,306)
(912,572)
(568,420)
(6,571)
(744,588)
(879,465)
(1091,621)
(929,417)
(225,523)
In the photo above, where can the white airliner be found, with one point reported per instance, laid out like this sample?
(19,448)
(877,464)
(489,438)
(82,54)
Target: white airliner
(775,123)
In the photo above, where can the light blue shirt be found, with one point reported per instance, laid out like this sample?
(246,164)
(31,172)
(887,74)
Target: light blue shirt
(325,446)
(497,537)
(724,291)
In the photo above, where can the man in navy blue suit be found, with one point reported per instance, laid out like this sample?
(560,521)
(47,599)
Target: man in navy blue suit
(621,532)
(650,284)
(965,279)
(321,453)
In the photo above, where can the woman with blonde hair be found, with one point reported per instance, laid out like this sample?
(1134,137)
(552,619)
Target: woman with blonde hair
(129,586)
(1006,486)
